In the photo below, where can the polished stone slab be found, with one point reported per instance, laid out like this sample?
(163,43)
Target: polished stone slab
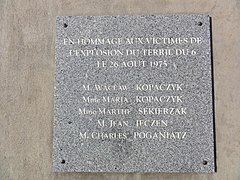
(133,94)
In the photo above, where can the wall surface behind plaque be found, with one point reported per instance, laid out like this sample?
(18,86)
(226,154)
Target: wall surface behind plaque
(27,45)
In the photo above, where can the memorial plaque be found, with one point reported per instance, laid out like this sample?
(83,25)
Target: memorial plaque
(133,94)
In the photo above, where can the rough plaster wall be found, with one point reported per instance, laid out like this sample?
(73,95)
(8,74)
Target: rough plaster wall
(27,39)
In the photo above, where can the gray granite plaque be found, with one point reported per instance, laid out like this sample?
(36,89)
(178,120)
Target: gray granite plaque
(133,94)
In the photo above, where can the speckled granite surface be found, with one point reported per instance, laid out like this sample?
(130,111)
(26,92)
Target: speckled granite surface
(160,114)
